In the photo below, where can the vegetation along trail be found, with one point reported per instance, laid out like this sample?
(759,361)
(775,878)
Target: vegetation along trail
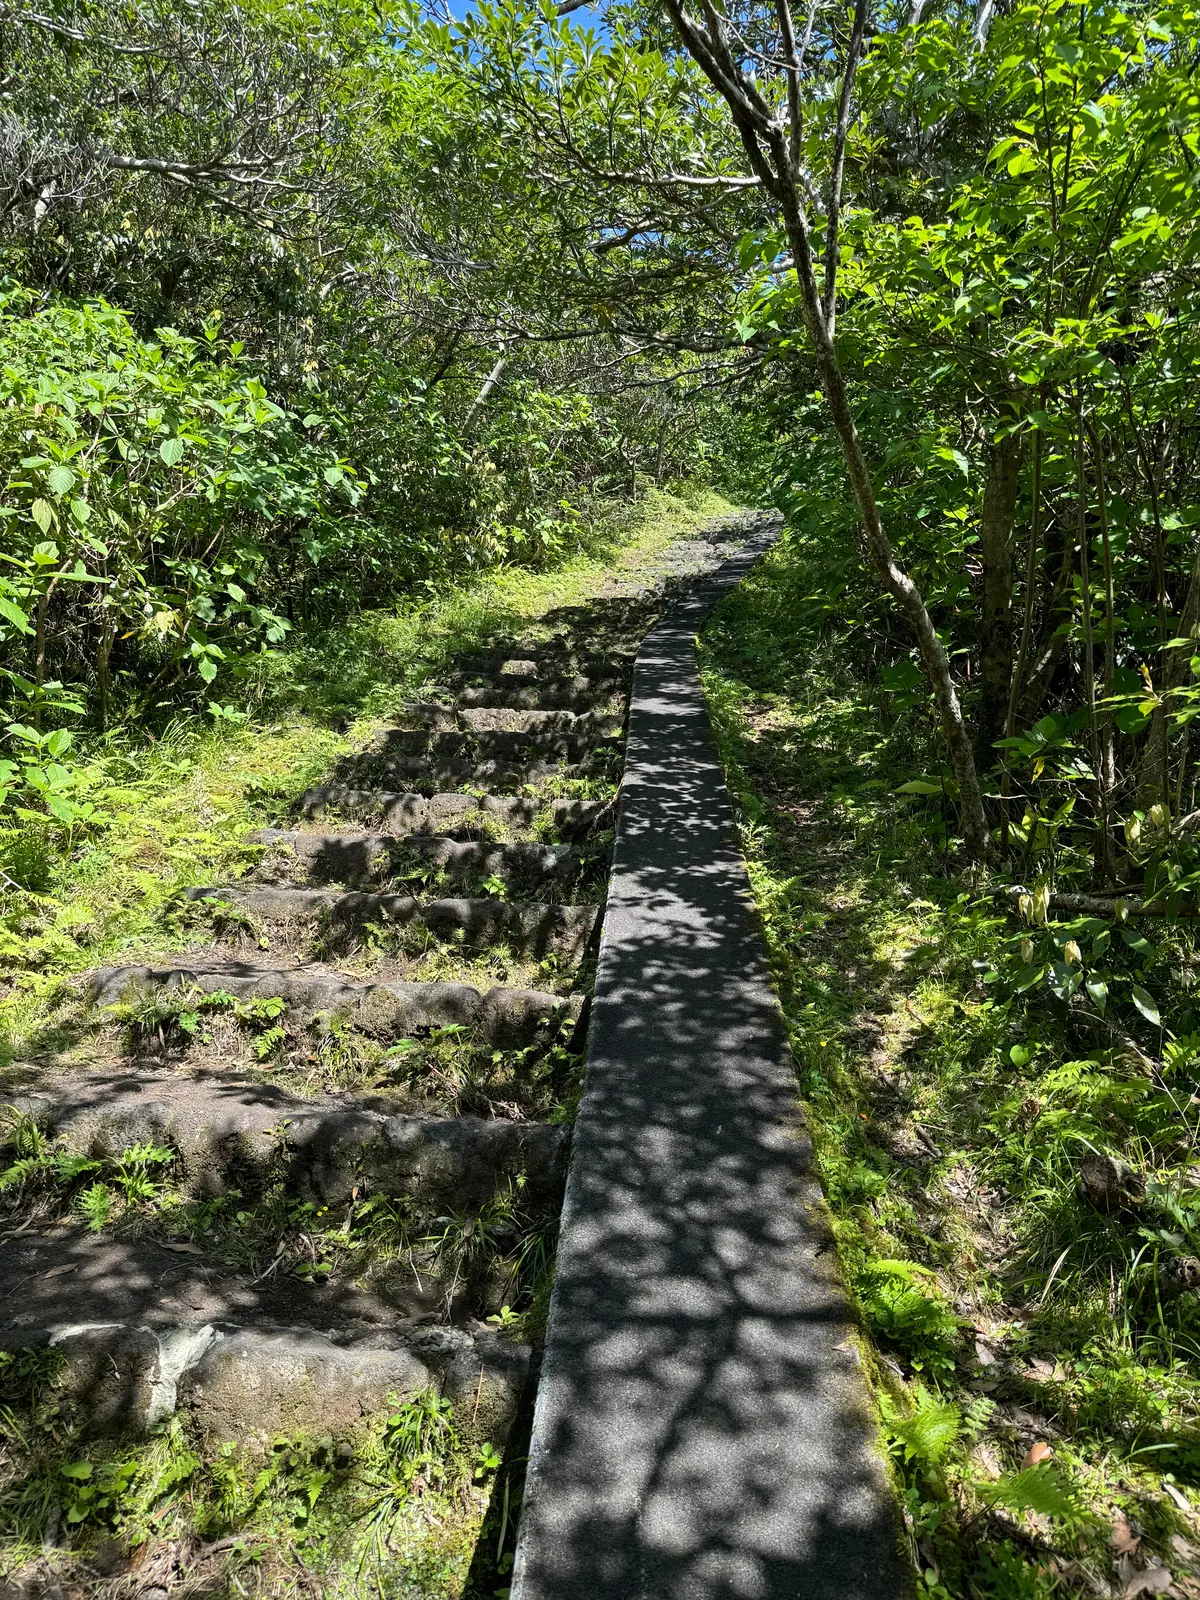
(330,1102)
(375,375)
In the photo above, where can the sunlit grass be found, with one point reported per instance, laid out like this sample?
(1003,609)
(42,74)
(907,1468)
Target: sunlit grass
(951,1113)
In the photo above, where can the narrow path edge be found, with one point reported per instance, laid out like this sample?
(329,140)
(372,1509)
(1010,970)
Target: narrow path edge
(702,1426)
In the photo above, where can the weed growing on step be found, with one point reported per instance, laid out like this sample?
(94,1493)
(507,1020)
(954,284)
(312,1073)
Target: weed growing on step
(1015,1199)
(42,1176)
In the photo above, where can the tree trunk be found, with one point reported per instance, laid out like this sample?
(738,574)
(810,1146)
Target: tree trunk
(773,146)
(894,579)
(1154,779)
(995,538)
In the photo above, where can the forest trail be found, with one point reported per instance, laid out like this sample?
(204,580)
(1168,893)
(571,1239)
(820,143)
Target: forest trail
(703,1428)
(423,1103)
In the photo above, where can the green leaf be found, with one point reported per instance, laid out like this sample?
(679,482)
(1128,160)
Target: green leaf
(1043,1489)
(207,669)
(1098,990)
(904,675)
(15,615)
(921,786)
(77,1469)
(1144,1001)
(43,514)
(1020,1055)
(61,479)
(171,450)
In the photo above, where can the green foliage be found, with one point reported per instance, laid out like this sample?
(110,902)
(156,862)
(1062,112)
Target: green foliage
(905,1314)
(133,1178)
(142,480)
(1044,1489)
(929,1431)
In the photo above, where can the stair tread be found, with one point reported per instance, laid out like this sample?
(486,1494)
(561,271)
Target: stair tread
(298,979)
(64,1275)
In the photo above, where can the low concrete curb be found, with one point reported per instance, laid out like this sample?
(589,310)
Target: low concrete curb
(702,1427)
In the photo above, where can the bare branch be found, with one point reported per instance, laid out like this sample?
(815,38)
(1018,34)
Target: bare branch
(832,246)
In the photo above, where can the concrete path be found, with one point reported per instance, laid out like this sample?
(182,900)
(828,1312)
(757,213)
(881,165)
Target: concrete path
(701,1426)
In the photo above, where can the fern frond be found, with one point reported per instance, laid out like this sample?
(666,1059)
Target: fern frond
(96,1205)
(929,1430)
(1045,1490)
(21,1171)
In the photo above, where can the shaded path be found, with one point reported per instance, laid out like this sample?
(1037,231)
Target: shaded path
(702,1426)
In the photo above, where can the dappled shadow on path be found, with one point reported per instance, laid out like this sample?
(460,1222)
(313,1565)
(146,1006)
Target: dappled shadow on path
(702,1427)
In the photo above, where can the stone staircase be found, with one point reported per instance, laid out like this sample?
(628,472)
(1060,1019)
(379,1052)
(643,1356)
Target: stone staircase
(357,1078)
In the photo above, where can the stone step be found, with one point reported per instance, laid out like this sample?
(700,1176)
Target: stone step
(427,775)
(232,1375)
(501,719)
(528,929)
(555,694)
(494,744)
(447,717)
(408,812)
(236,1133)
(439,717)
(502,1018)
(353,858)
(538,663)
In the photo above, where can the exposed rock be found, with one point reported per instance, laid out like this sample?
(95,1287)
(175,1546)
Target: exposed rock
(1178,1275)
(256,1383)
(1109,1185)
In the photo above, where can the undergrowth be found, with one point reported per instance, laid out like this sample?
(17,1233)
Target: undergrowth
(1016,1195)
(394,1508)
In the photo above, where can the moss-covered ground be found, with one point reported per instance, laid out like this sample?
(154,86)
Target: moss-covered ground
(1034,1352)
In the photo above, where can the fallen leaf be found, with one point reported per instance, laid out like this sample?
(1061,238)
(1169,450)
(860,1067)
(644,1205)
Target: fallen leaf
(984,1354)
(182,1249)
(1036,1452)
(1124,1540)
(1181,1500)
(1039,1371)
(1181,1547)
(1153,1581)
(57,1272)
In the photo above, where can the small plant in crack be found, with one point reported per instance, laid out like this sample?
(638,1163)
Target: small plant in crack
(181,1017)
(498,1254)
(135,1177)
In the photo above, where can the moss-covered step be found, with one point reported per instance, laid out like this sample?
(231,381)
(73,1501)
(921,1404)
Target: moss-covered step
(499,1017)
(381,859)
(453,814)
(534,929)
(226,1133)
(243,1380)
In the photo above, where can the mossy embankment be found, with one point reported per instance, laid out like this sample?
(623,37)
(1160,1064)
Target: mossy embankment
(1034,1343)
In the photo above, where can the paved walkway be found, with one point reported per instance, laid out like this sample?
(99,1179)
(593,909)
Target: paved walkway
(701,1426)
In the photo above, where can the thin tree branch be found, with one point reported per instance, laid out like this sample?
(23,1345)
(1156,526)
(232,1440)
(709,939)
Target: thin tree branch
(832,247)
